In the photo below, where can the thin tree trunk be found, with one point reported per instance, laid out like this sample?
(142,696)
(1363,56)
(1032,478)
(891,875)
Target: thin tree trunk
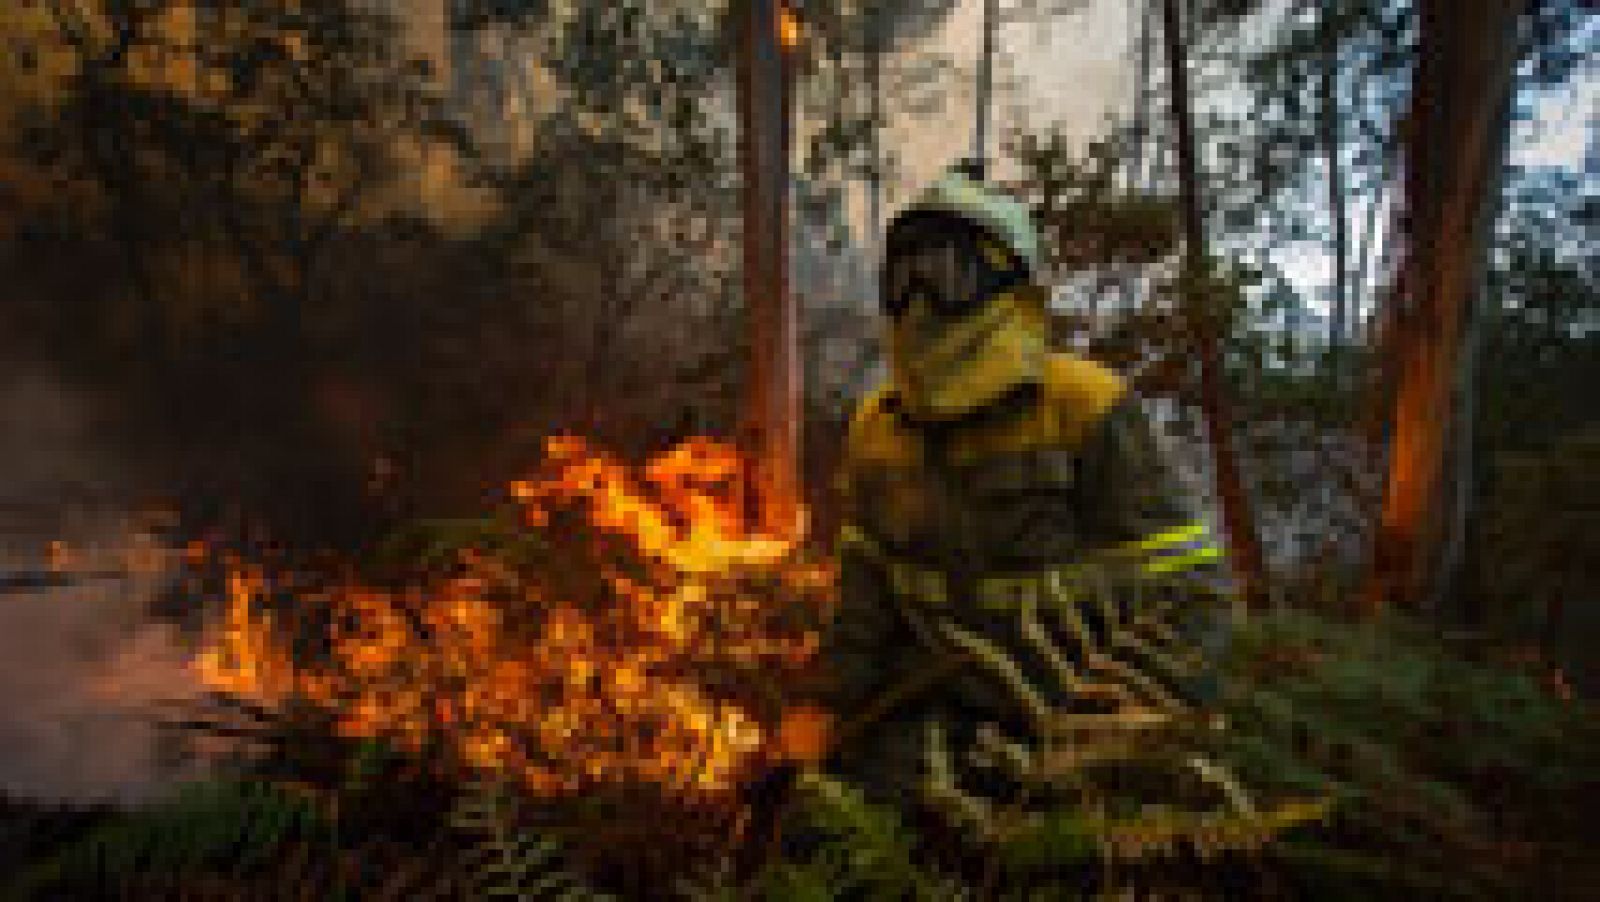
(1361,315)
(1134,162)
(1332,142)
(772,424)
(1243,543)
(985,93)
(1455,148)
(1138,180)
(876,48)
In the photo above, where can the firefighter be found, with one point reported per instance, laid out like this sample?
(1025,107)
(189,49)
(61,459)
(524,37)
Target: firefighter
(1022,579)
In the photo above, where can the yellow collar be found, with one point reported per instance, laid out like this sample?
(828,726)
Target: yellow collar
(1073,395)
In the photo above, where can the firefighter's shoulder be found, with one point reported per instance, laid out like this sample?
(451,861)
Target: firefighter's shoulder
(1075,396)
(1079,392)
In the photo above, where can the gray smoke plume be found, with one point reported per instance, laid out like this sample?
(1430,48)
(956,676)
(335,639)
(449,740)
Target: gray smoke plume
(84,670)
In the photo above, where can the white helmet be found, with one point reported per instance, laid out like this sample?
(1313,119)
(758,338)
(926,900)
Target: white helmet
(962,192)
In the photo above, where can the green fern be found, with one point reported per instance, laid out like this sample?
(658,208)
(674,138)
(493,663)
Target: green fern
(508,862)
(217,827)
(860,850)
(717,883)
(1427,747)
(1051,840)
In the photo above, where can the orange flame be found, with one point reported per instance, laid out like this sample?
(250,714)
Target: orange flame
(620,659)
(788,27)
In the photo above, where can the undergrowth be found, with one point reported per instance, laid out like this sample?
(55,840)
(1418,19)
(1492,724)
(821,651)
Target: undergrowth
(1454,774)
(1445,775)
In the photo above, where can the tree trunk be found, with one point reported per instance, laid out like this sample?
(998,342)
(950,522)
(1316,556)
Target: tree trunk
(772,416)
(1365,307)
(1454,153)
(985,92)
(1138,180)
(876,48)
(1243,543)
(1332,142)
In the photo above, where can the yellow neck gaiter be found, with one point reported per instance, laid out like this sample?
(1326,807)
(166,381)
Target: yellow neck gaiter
(945,368)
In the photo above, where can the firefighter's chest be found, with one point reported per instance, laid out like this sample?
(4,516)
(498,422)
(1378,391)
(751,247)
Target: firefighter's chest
(1017,505)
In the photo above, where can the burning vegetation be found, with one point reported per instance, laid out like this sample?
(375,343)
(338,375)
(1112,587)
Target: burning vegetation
(641,631)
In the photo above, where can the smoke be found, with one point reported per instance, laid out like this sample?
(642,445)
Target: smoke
(84,670)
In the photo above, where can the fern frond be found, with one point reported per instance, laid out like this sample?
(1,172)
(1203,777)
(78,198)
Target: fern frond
(218,826)
(508,861)
(861,848)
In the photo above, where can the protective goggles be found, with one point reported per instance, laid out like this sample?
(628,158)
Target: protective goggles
(953,265)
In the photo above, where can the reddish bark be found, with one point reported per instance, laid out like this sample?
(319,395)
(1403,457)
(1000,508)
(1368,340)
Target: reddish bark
(1455,143)
(772,413)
